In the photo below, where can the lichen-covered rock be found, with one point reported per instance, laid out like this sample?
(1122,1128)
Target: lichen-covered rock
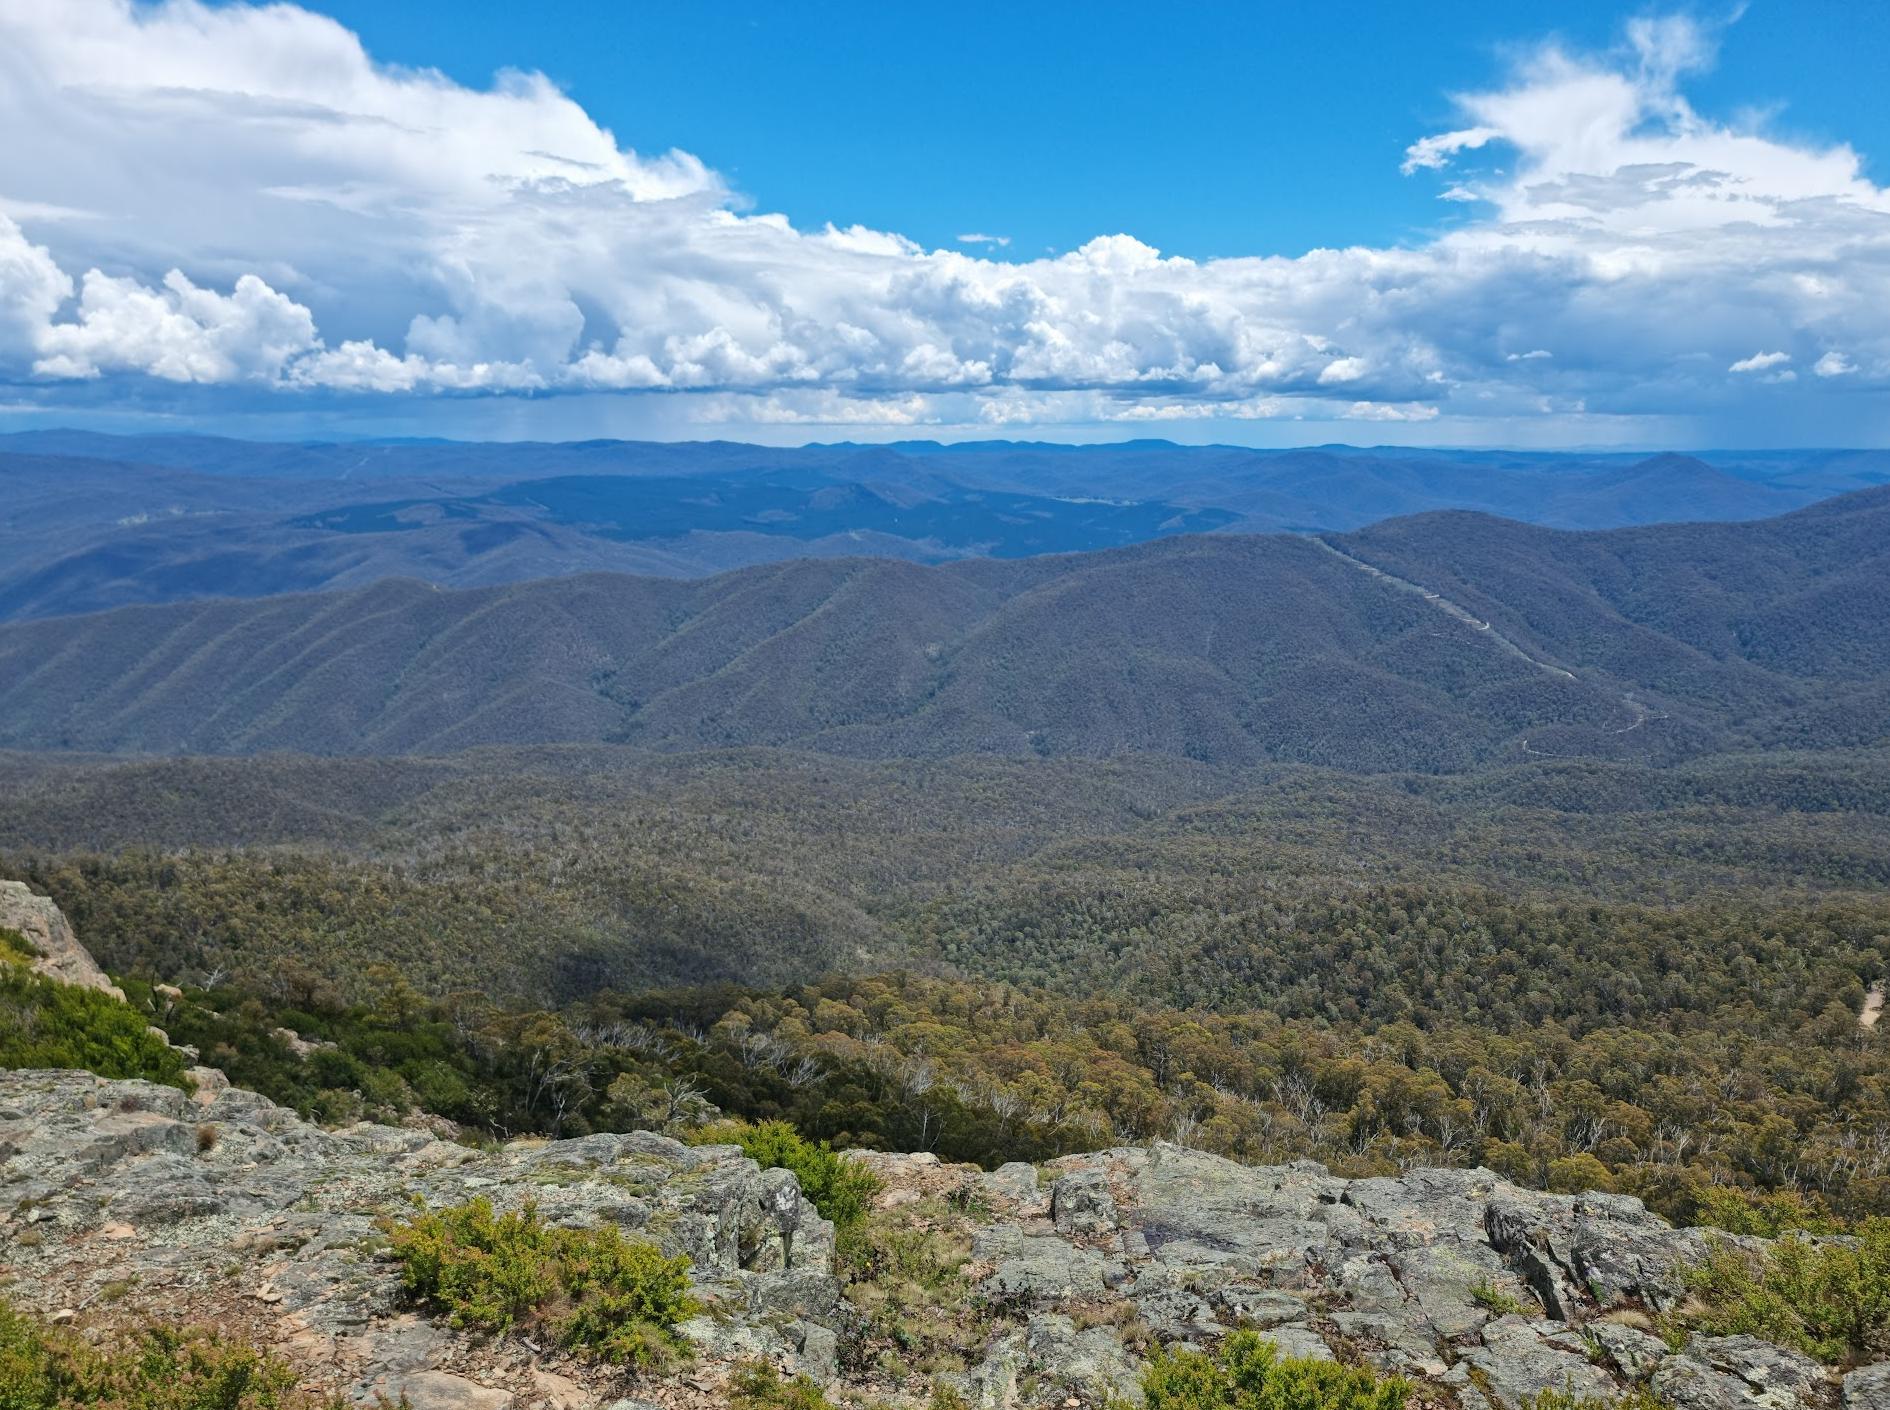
(1080,1203)
(238,1209)
(60,955)
(223,1207)
(1035,1268)
(1013,1182)
(1737,1373)
(1091,1362)
(1520,1358)
(1868,1388)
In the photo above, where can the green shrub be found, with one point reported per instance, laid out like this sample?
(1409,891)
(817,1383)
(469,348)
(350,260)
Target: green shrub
(759,1386)
(592,1289)
(44,1023)
(1829,1300)
(45,1368)
(16,947)
(1639,1398)
(839,1188)
(1247,1373)
(1493,1299)
(1766,1214)
(905,1277)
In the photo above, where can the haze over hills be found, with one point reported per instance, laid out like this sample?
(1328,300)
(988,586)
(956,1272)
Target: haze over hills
(93,522)
(1435,642)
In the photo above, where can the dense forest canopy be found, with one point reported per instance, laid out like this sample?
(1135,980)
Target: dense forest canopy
(1584,974)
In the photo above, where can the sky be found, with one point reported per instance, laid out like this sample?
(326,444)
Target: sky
(1466,223)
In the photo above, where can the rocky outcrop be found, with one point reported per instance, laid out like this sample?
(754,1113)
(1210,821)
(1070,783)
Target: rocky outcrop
(1487,1293)
(58,953)
(237,1213)
(228,1209)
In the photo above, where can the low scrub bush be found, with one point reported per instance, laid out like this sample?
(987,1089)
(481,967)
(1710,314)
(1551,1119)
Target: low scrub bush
(1493,1299)
(593,1290)
(1829,1300)
(839,1188)
(1765,1213)
(905,1277)
(15,946)
(1247,1373)
(44,1023)
(759,1386)
(1638,1398)
(48,1368)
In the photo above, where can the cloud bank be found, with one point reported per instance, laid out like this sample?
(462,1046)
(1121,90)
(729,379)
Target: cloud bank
(242,197)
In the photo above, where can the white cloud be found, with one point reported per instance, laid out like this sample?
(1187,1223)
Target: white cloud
(1431,153)
(240,195)
(177,331)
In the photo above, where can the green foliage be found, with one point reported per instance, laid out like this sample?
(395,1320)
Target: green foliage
(15,946)
(1830,1300)
(1493,1299)
(1766,1215)
(1582,974)
(1246,1372)
(1636,1398)
(597,1292)
(839,1188)
(757,1385)
(904,1272)
(44,1368)
(44,1023)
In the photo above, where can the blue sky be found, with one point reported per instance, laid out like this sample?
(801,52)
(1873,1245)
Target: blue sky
(1205,130)
(1462,223)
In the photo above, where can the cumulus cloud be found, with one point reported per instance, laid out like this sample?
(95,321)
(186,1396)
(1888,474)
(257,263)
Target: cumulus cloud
(240,195)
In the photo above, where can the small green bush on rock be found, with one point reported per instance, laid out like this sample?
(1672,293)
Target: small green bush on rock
(1493,1299)
(1247,1373)
(47,1368)
(592,1289)
(839,1188)
(1828,1300)
(759,1386)
(44,1023)
(1639,1398)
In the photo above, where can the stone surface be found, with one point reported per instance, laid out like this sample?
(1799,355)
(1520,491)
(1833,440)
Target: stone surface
(61,956)
(1090,1363)
(1081,1203)
(1015,1182)
(276,1223)
(1868,1388)
(1737,1373)
(438,1390)
(274,1227)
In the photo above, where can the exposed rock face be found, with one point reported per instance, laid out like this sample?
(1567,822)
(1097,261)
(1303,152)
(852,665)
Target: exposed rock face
(61,956)
(1382,1269)
(227,1209)
(237,1213)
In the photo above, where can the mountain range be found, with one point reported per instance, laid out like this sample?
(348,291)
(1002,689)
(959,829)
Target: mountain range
(1435,642)
(92,522)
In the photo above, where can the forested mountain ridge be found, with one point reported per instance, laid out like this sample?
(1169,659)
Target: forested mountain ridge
(1437,642)
(89,522)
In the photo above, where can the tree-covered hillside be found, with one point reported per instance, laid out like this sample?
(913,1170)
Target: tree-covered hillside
(1435,644)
